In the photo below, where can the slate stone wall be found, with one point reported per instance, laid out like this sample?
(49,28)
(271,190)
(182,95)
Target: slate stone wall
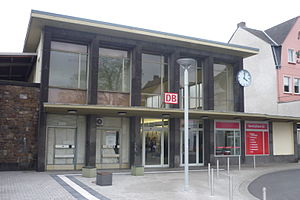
(18,126)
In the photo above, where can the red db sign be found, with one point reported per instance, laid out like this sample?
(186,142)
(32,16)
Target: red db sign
(171,98)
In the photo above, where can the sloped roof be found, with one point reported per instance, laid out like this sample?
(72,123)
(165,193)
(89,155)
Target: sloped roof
(40,19)
(279,32)
(259,34)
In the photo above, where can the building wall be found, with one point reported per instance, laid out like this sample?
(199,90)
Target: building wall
(35,76)
(18,126)
(292,70)
(263,72)
(283,139)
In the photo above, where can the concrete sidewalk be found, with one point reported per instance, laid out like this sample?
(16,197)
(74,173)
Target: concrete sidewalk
(166,185)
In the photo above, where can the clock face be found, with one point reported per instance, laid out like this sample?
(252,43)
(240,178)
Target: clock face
(244,78)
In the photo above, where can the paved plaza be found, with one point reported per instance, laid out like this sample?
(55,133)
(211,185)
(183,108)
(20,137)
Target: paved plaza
(23,185)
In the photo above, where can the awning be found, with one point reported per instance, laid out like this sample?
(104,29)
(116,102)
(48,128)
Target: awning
(16,66)
(160,112)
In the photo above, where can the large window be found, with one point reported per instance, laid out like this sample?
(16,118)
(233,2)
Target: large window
(286,84)
(291,56)
(68,65)
(154,80)
(223,87)
(195,87)
(227,138)
(296,85)
(114,70)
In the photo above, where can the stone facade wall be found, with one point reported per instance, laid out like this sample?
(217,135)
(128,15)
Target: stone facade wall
(18,126)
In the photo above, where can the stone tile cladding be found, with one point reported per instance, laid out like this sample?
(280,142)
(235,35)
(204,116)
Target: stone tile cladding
(18,127)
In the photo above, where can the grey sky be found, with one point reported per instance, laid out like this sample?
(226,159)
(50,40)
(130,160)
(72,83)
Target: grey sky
(213,19)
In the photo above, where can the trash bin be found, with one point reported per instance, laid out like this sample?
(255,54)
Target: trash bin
(104,178)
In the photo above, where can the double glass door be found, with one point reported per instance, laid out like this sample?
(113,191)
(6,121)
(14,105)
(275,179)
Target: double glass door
(155,147)
(195,146)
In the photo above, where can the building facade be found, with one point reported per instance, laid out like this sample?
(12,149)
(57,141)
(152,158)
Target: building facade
(275,68)
(102,90)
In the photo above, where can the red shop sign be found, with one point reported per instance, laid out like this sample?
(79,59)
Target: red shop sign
(257,143)
(228,125)
(259,126)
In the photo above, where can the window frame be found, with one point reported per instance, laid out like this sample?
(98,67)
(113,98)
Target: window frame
(129,58)
(291,56)
(235,130)
(164,62)
(79,65)
(294,89)
(289,85)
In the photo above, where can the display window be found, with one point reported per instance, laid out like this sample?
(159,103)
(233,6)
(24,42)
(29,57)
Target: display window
(227,138)
(257,138)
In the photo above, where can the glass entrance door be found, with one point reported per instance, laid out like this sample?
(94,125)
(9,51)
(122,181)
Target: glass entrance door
(155,143)
(195,147)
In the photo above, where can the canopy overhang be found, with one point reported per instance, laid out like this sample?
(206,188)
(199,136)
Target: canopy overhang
(160,112)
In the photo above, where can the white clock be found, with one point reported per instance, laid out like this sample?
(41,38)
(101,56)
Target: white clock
(244,78)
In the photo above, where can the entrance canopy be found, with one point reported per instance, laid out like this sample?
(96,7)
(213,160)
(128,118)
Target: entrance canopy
(160,112)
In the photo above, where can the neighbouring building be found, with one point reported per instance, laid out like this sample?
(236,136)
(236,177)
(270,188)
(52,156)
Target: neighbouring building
(275,69)
(101,99)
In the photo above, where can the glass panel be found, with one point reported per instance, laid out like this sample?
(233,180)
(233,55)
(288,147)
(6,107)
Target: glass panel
(114,70)
(68,65)
(286,84)
(296,85)
(195,87)
(153,148)
(223,87)
(154,80)
(110,147)
(228,142)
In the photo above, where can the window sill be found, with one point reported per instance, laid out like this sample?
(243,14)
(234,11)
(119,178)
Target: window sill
(293,63)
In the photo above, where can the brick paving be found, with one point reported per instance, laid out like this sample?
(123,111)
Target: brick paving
(31,185)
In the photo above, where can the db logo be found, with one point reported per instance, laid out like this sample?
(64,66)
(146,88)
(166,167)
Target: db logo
(171,98)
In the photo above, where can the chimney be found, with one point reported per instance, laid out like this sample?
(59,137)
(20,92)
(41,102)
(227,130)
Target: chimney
(241,24)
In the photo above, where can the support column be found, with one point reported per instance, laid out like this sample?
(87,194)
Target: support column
(243,153)
(208,84)
(271,139)
(238,90)
(135,141)
(135,122)
(90,143)
(295,141)
(174,123)
(41,156)
(208,140)
(174,135)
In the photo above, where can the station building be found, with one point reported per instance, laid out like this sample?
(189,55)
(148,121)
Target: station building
(101,99)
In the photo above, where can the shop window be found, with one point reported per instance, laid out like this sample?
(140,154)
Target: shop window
(195,87)
(154,80)
(227,138)
(114,70)
(223,87)
(68,65)
(291,56)
(296,85)
(286,84)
